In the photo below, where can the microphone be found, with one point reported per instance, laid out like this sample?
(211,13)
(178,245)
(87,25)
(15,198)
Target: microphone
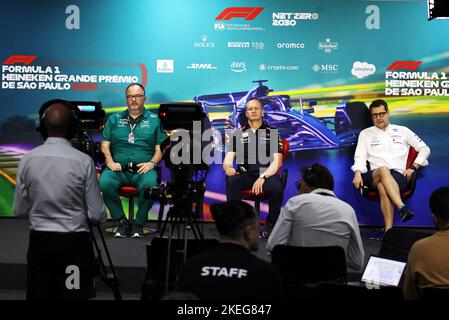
(363,189)
(241,168)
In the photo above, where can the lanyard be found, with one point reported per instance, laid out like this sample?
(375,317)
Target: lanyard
(132,126)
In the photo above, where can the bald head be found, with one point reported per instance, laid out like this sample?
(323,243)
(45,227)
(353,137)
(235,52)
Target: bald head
(58,118)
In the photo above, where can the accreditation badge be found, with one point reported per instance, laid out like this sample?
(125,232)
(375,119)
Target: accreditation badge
(131,138)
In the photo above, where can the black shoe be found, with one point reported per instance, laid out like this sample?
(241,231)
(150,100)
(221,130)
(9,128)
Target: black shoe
(136,231)
(123,229)
(406,214)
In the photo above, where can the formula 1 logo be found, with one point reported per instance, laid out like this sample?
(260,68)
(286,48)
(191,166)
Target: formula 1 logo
(20,59)
(249,13)
(409,65)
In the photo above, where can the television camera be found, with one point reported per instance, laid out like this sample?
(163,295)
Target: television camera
(187,186)
(91,121)
(185,123)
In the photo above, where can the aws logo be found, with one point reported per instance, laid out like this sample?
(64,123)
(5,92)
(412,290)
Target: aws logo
(238,66)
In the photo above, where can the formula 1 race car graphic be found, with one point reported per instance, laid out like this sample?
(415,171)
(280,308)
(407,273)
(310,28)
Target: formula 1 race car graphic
(302,130)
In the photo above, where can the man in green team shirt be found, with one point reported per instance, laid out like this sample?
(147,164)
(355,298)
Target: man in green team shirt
(131,137)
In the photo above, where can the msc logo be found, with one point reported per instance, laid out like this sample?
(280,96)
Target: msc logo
(325,68)
(203,66)
(249,13)
(20,59)
(238,66)
(409,65)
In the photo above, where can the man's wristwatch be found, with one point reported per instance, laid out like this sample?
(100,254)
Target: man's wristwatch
(262,176)
(154,163)
(412,167)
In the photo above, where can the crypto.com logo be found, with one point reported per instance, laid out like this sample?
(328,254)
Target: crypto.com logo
(409,65)
(249,13)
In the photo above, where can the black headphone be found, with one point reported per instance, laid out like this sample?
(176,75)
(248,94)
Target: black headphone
(310,176)
(71,131)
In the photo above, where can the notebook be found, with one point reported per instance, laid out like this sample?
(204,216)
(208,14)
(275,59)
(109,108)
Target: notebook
(383,271)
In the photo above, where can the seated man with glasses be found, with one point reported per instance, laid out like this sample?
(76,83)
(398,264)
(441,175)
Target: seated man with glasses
(131,145)
(385,147)
(316,217)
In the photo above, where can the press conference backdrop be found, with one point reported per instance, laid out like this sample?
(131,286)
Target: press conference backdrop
(327,51)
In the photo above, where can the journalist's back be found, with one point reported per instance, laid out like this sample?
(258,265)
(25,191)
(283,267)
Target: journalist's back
(57,188)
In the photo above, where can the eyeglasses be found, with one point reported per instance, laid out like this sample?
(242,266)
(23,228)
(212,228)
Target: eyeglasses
(135,96)
(380,115)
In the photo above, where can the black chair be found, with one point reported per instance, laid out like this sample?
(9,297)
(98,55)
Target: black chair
(302,268)
(342,291)
(397,243)
(154,283)
(359,115)
(435,293)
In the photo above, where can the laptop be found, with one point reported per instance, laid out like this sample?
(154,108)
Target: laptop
(383,272)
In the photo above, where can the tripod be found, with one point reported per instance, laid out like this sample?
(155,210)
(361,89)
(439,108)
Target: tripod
(182,217)
(109,279)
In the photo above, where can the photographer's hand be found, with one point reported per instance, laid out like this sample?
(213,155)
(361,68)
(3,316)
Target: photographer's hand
(114,166)
(145,167)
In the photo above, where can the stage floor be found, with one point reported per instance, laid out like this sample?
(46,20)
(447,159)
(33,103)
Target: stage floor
(128,256)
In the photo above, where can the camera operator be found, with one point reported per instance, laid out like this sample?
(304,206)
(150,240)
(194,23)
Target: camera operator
(57,187)
(131,145)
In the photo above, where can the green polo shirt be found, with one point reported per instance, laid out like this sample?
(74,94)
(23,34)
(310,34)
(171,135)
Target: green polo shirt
(148,133)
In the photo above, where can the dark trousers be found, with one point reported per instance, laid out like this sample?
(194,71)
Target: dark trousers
(51,257)
(397,176)
(272,187)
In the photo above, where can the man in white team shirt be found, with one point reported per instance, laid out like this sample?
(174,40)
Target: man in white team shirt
(385,146)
